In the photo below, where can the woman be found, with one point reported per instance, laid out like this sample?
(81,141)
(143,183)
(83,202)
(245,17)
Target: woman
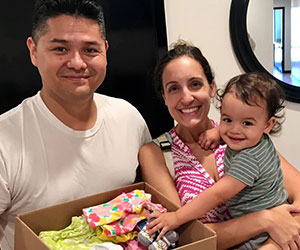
(185,81)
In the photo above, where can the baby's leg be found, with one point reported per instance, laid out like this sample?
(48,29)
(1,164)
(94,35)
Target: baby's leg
(270,245)
(254,243)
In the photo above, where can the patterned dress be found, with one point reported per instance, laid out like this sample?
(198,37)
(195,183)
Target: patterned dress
(191,177)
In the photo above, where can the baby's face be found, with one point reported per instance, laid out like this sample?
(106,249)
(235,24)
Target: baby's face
(243,125)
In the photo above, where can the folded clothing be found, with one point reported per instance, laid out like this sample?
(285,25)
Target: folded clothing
(78,235)
(121,214)
(117,238)
(107,246)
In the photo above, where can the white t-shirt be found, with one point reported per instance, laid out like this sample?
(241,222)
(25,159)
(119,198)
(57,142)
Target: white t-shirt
(44,162)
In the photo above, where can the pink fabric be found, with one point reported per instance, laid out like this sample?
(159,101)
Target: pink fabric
(133,245)
(191,178)
(121,214)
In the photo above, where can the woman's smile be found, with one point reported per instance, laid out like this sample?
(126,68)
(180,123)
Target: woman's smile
(189,111)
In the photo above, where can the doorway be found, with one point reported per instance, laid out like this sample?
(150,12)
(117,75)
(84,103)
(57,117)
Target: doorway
(278,39)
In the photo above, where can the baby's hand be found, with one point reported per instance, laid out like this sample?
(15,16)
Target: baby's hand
(163,221)
(210,139)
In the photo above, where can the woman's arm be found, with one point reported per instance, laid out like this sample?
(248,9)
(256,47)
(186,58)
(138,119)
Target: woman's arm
(278,222)
(291,177)
(155,171)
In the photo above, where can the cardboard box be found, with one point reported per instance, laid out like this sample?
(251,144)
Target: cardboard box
(193,235)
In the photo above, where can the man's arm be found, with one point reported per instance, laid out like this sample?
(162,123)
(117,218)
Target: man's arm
(4,191)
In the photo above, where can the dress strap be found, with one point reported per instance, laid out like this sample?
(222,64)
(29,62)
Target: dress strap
(164,141)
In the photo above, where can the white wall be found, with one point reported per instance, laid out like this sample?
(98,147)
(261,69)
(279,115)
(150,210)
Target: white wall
(260,28)
(295,3)
(206,24)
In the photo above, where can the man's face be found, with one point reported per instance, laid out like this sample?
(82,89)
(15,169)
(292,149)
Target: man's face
(71,59)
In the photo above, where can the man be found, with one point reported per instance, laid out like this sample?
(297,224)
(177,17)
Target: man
(66,141)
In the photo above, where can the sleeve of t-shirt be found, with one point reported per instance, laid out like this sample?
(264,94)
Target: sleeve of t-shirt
(4,190)
(244,168)
(135,120)
(146,134)
(140,123)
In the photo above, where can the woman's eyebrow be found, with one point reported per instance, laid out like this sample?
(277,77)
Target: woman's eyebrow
(170,82)
(196,78)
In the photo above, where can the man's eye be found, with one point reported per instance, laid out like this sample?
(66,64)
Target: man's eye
(60,49)
(90,50)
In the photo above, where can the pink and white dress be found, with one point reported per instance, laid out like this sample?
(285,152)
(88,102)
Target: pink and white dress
(191,177)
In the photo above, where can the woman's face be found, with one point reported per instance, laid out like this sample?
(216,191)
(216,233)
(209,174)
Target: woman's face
(187,92)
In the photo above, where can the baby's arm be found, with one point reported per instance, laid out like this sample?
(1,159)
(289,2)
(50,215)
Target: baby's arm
(210,139)
(223,190)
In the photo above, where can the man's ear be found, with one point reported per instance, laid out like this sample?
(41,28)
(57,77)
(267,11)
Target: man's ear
(32,50)
(106,45)
(269,125)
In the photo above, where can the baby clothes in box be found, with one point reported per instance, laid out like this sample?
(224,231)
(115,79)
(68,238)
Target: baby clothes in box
(78,235)
(121,214)
(107,246)
(117,238)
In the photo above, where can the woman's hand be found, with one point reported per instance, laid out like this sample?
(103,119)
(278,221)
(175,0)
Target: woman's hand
(282,226)
(163,221)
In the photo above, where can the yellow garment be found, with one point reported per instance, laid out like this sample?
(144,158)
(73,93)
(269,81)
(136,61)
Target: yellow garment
(78,235)
(116,239)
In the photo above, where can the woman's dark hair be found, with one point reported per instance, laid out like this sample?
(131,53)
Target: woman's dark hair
(179,49)
(45,9)
(253,87)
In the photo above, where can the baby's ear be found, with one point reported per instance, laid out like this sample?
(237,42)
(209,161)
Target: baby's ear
(269,125)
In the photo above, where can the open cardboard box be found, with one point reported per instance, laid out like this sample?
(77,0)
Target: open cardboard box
(193,235)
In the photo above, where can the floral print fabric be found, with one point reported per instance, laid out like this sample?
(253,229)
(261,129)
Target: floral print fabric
(121,214)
